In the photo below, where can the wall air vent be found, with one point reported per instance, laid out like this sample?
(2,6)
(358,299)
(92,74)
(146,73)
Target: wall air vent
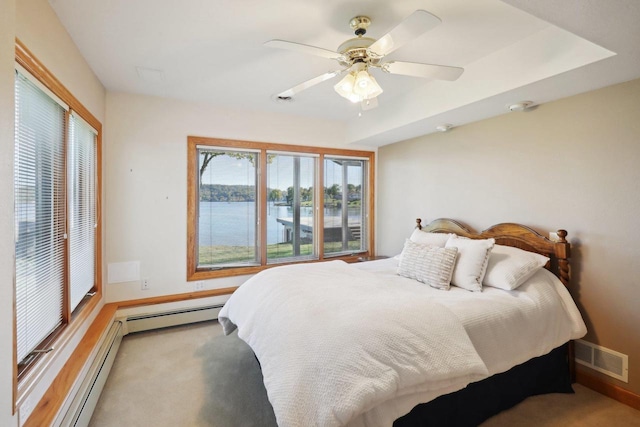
(282,99)
(603,360)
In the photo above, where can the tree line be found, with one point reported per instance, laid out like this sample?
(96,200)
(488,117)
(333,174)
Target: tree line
(227,193)
(247,193)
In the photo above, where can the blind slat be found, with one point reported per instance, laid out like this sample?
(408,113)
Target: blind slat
(82,207)
(39,197)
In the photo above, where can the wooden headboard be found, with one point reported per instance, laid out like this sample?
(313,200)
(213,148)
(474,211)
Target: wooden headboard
(517,235)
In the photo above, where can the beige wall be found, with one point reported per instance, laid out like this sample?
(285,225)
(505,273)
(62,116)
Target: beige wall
(146,179)
(38,27)
(573,164)
(7,35)
(34,23)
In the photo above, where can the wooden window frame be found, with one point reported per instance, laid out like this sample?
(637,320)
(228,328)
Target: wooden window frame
(28,378)
(194,273)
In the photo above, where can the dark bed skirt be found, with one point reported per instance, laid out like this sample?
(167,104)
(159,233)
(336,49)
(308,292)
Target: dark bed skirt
(481,400)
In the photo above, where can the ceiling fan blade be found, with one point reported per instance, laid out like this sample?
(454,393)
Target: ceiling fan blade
(303,48)
(416,24)
(369,104)
(430,71)
(309,83)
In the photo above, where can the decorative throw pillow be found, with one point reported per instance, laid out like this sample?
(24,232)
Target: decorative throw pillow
(427,264)
(427,238)
(471,265)
(510,267)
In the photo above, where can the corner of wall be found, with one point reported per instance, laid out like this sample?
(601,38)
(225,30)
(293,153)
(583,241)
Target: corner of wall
(7,37)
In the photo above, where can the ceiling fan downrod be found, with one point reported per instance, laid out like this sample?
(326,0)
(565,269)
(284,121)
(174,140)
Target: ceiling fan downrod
(359,25)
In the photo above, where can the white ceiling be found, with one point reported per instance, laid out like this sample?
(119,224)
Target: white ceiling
(212,51)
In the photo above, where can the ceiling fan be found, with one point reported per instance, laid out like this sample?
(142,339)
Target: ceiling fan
(361,54)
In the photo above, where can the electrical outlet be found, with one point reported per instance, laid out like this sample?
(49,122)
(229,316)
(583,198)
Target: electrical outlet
(144,285)
(553,236)
(199,286)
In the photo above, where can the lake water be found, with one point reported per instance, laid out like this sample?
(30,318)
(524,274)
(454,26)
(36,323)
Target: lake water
(234,224)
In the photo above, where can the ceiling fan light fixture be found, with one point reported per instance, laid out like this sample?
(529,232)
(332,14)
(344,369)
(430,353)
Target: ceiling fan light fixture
(363,81)
(365,84)
(344,88)
(358,86)
(354,98)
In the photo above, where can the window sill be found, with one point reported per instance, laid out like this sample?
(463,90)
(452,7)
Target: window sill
(33,383)
(242,271)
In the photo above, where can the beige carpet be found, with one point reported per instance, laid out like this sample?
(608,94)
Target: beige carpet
(173,377)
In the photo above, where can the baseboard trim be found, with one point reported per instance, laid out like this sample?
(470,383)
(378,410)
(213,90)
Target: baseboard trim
(175,297)
(610,390)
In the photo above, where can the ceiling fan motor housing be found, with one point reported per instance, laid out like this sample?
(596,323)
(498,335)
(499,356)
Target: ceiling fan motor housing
(356,50)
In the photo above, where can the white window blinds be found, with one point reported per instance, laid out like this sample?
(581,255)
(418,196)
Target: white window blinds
(81,172)
(39,214)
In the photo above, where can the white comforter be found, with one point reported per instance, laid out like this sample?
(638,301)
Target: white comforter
(341,345)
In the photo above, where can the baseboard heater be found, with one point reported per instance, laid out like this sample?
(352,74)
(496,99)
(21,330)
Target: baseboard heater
(146,322)
(80,410)
(84,401)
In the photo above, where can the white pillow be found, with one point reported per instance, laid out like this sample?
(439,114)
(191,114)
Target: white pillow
(427,264)
(427,238)
(510,267)
(471,265)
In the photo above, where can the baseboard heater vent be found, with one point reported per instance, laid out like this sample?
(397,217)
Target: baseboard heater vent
(84,402)
(172,318)
(603,360)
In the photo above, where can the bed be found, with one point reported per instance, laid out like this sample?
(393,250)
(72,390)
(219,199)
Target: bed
(362,345)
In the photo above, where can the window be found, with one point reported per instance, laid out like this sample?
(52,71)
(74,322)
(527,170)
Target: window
(81,210)
(345,202)
(56,188)
(227,208)
(39,215)
(290,207)
(252,205)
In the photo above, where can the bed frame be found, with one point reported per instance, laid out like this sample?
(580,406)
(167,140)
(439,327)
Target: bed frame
(479,401)
(523,237)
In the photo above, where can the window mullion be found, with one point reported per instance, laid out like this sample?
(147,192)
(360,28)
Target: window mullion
(319,190)
(262,207)
(66,294)
(295,204)
(345,207)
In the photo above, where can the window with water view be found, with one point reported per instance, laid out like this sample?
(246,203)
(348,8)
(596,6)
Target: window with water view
(258,204)
(345,216)
(227,208)
(290,207)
